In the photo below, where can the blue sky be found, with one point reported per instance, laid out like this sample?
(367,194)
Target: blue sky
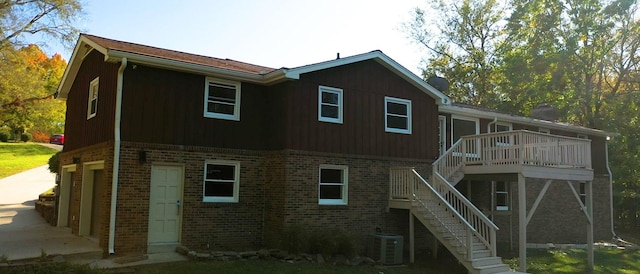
(278,33)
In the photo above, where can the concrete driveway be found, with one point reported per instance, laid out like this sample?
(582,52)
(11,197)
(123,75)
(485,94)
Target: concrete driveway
(23,233)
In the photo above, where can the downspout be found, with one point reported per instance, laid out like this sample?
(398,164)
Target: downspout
(493,183)
(116,156)
(606,155)
(495,120)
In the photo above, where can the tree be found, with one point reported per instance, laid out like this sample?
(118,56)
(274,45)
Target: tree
(51,18)
(464,47)
(28,81)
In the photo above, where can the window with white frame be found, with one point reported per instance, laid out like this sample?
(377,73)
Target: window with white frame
(221,181)
(397,115)
(502,127)
(582,192)
(333,185)
(501,196)
(330,104)
(92,105)
(222,99)
(463,126)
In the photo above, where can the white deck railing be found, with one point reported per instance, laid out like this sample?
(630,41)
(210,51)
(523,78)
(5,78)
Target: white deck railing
(462,213)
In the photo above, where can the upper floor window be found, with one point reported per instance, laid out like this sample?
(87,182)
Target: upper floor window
(333,185)
(330,104)
(397,115)
(92,105)
(222,99)
(221,181)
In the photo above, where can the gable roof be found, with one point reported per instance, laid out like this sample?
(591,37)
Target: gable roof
(115,51)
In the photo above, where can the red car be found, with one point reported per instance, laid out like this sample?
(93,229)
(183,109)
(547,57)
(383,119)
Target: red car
(57,139)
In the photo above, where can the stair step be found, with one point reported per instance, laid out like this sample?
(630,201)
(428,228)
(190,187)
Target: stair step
(486,261)
(487,269)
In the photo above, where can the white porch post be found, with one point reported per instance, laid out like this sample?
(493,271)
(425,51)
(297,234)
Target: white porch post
(589,208)
(412,239)
(522,222)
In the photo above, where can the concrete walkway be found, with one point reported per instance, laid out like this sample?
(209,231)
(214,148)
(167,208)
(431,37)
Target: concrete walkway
(23,233)
(26,235)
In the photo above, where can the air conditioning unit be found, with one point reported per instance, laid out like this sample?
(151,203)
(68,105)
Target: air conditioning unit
(387,248)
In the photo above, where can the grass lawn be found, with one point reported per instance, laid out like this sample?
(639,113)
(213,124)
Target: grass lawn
(18,157)
(575,261)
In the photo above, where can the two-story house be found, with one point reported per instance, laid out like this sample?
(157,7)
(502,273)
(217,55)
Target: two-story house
(165,147)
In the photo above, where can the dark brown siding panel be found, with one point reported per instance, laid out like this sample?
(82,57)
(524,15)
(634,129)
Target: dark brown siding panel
(161,106)
(365,85)
(79,131)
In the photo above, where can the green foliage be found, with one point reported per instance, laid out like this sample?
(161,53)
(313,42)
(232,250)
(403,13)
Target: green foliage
(298,238)
(54,163)
(25,137)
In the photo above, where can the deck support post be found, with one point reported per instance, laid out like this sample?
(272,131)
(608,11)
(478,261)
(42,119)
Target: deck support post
(412,238)
(589,208)
(522,222)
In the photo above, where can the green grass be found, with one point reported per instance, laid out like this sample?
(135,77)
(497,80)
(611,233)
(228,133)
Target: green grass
(18,157)
(575,261)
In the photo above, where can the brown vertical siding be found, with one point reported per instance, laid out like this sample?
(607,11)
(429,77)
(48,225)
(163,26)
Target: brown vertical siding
(365,85)
(167,107)
(80,132)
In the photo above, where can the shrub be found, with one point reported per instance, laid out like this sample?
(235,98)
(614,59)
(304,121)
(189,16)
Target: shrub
(54,163)
(4,136)
(40,137)
(25,137)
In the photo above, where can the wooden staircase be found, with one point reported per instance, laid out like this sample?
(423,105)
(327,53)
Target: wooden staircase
(461,227)
(465,231)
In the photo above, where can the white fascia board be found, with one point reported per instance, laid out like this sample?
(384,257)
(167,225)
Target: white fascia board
(72,68)
(450,109)
(382,59)
(115,56)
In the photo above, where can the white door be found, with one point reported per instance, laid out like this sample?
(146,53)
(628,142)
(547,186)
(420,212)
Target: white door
(165,201)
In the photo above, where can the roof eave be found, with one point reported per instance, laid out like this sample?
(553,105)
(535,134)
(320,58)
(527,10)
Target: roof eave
(83,46)
(451,109)
(383,60)
(152,61)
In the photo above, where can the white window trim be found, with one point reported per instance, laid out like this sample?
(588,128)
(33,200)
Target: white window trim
(510,128)
(442,123)
(340,104)
(236,182)
(236,107)
(506,193)
(94,83)
(345,185)
(397,101)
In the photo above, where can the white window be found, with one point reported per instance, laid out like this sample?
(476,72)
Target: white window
(502,196)
(333,185)
(330,104)
(92,105)
(502,140)
(221,181)
(583,192)
(222,99)
(397,115)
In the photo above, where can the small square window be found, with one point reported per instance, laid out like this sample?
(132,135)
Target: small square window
(222,99)
(330,104)
(221,181)
(333,186)
(397,115)
(92,105)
